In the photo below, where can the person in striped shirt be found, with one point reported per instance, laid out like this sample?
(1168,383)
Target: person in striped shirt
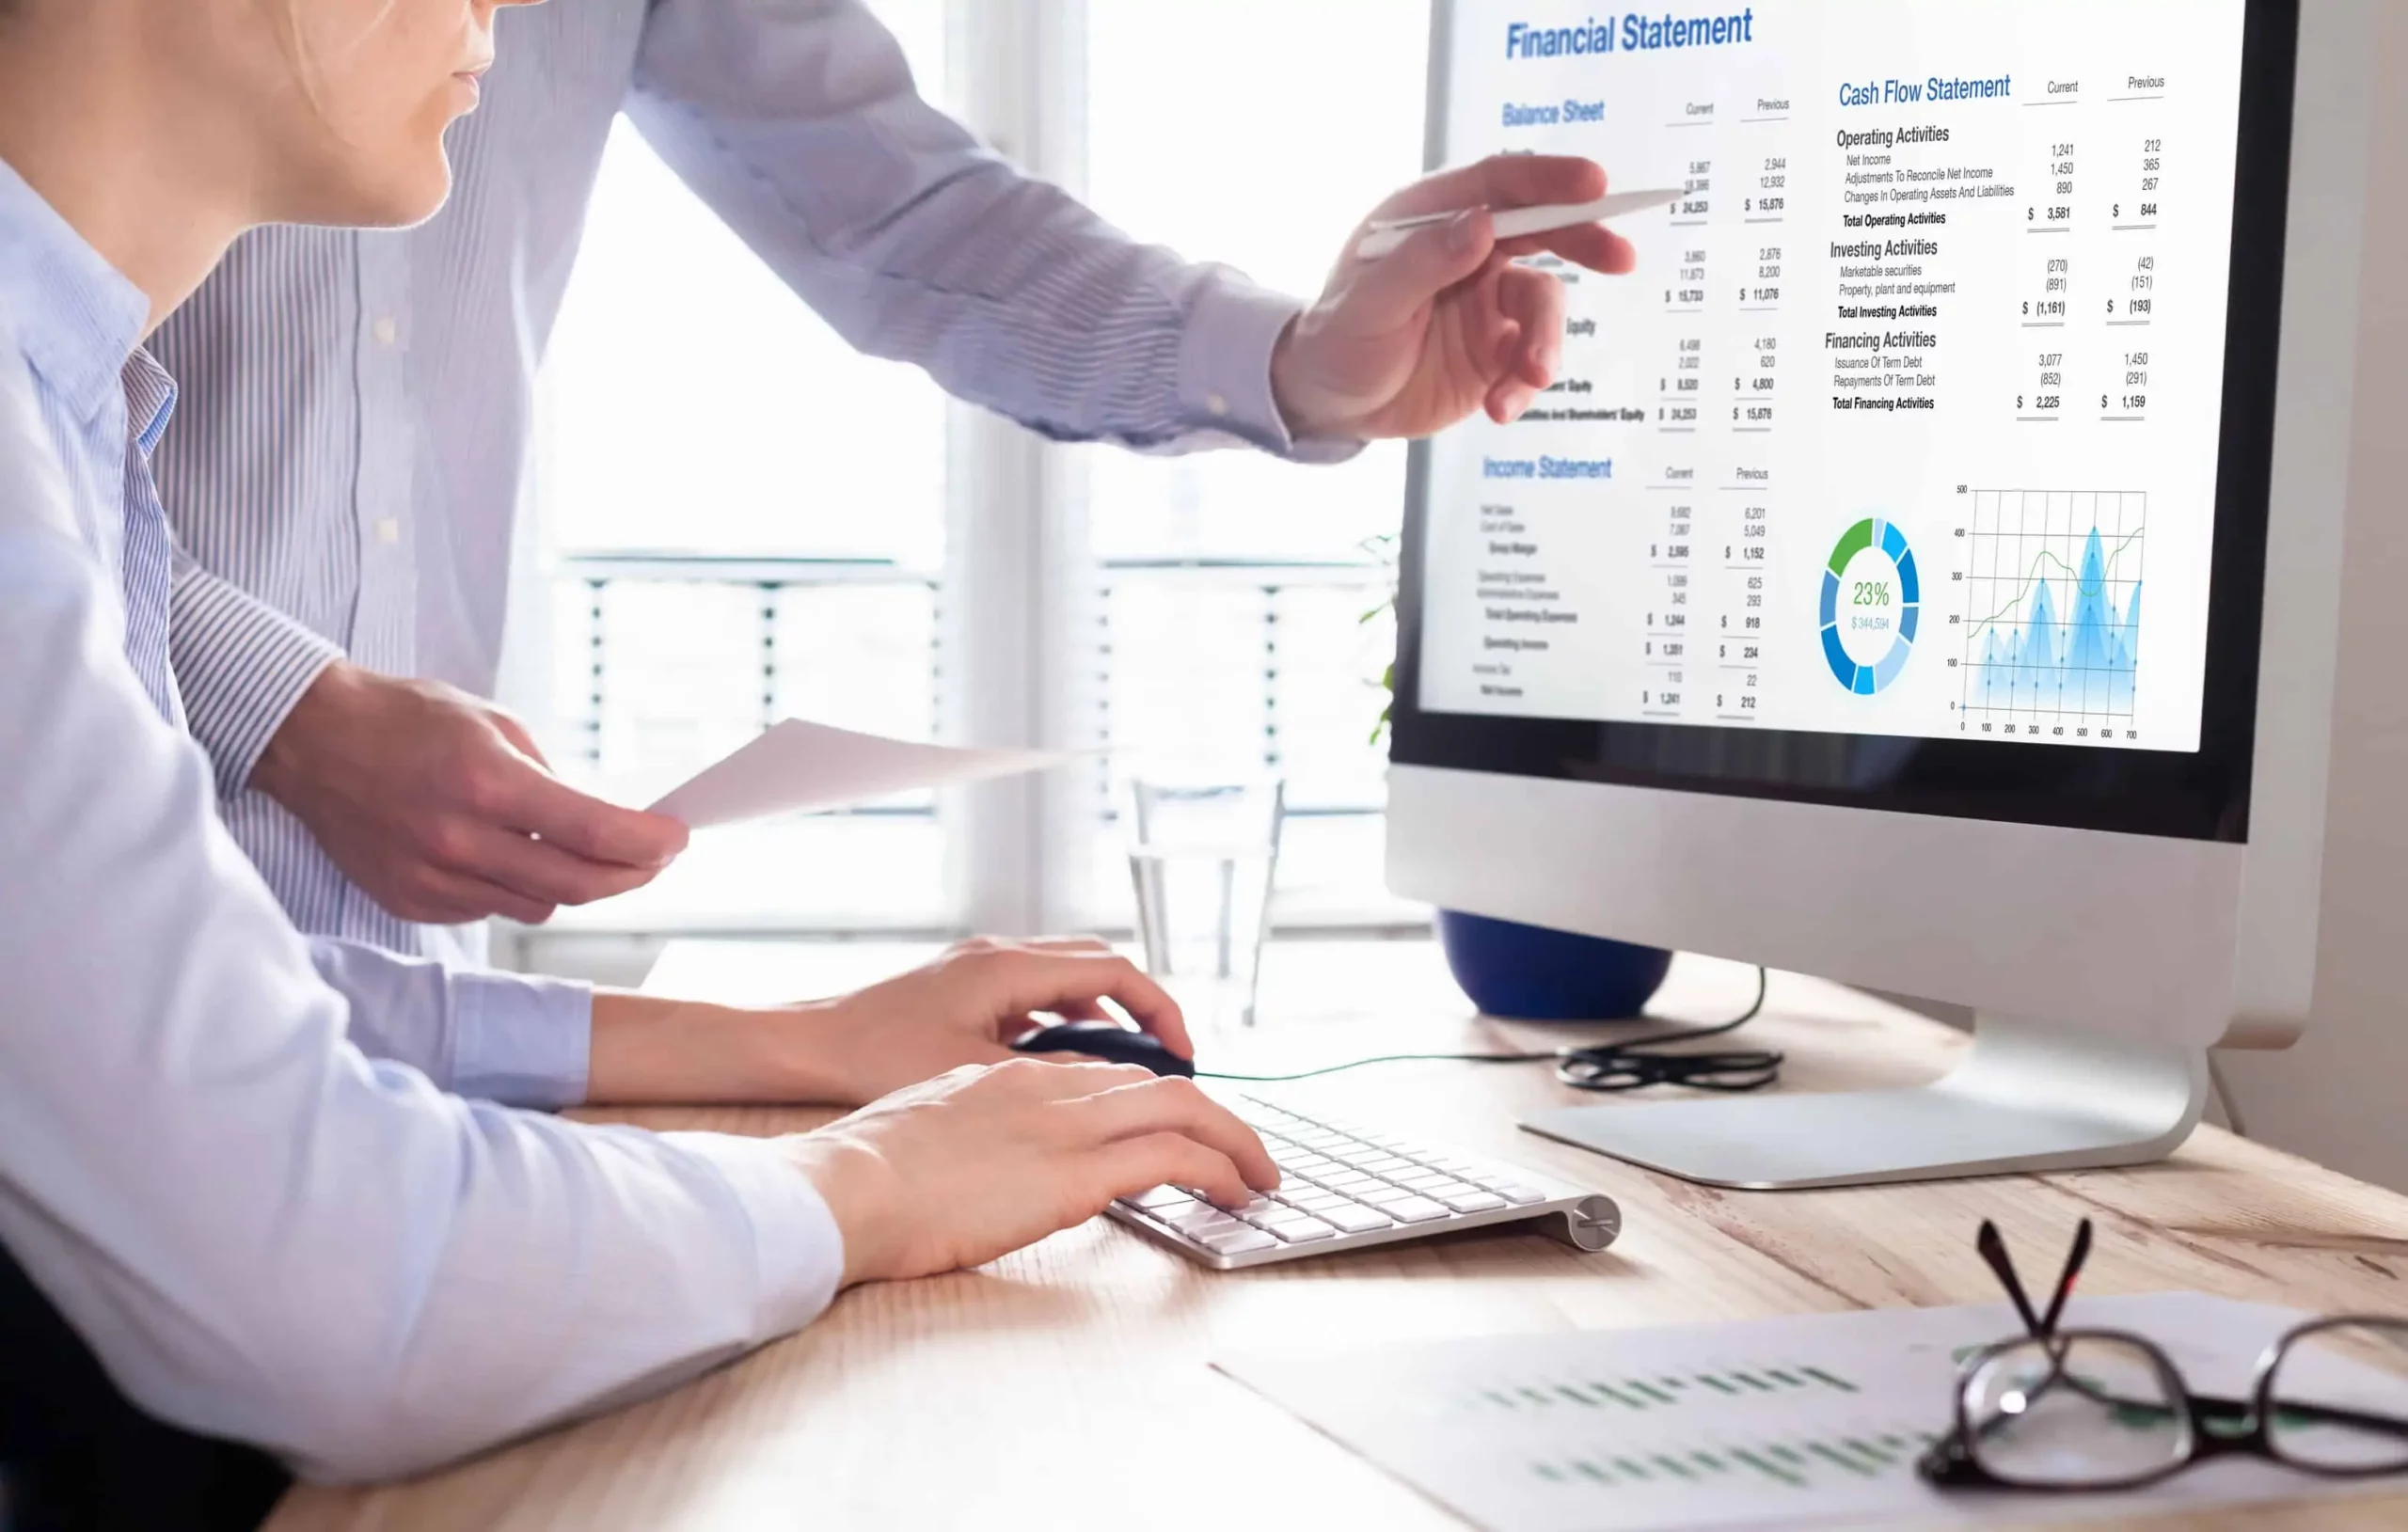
(346,474)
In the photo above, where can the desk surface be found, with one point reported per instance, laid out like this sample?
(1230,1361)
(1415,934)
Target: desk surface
(1066,1386)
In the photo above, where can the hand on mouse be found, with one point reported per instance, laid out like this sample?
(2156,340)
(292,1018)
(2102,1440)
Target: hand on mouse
(982,1161)
(970,1004)
(964,1007)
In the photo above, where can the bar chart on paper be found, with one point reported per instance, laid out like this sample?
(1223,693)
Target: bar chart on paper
(2052,612)
(1643,1431)
(1646,1441)
(1812,1421)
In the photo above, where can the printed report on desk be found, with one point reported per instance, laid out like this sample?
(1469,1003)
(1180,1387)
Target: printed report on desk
(1907,423)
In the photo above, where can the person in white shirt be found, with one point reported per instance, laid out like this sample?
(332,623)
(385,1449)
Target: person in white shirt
(283,1188)
(247,1185)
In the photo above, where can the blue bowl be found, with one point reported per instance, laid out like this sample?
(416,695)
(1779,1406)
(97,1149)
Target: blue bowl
(1531,973)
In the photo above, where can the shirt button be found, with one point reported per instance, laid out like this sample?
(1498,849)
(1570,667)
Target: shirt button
(1217,404)
(387,331)
(388,531)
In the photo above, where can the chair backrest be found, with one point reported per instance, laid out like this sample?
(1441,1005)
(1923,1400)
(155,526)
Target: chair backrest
(75,1452)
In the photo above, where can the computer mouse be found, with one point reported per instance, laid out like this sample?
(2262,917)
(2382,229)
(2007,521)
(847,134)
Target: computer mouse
(1106,1040)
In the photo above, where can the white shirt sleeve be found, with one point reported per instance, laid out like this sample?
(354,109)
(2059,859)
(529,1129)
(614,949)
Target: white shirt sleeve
(521,1039)
(263,1233)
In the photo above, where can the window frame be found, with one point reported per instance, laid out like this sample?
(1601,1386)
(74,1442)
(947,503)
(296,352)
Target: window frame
(1021,584)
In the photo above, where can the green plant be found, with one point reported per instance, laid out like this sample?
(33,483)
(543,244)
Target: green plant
(1383,547)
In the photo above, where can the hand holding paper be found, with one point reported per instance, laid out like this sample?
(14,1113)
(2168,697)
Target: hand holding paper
(796,766)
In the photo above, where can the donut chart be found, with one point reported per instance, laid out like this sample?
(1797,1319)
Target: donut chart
(1872,602)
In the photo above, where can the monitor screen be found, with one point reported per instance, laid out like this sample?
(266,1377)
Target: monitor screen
(1921,418)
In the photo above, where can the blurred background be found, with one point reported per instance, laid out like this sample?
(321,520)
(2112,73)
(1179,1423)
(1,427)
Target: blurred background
(738,519)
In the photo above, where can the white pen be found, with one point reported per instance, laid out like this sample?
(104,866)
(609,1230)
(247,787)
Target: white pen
(1516,223)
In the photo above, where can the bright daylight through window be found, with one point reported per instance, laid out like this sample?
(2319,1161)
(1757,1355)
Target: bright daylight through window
(743,519)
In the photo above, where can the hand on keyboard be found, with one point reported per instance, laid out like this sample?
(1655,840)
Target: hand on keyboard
(985,1160)
(968,1006)
(1342,1187)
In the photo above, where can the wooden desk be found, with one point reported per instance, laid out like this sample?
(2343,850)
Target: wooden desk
(1066,1386)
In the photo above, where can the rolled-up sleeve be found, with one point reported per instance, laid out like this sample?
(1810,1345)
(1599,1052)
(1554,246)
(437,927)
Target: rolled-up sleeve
(521,1039)
(799,125)
(241,664)
(263,1233)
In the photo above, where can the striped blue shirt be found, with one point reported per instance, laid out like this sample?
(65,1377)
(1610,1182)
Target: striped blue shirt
(357,409)
(227,1153)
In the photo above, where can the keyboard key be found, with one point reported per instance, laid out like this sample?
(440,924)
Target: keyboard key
(1353,1218)
(1163,1198)
(1199,1218)
(1236,1240)
(1351,1182)
(1254,1206)
(1412,1210)
(1297,1231)
(1315,1201)
(1521,1196)
(1468,1199)
(1387,1164)
(1427,1180)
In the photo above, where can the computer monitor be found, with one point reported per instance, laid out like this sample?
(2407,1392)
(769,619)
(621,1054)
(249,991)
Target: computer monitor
(1926,569)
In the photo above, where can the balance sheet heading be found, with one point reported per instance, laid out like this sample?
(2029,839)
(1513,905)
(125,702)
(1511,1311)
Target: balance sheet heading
(1636,33)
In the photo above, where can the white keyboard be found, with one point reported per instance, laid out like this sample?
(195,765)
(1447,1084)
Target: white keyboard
(1342,1188)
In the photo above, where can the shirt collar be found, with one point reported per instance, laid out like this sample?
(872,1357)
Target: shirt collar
(78,318)
(150,400)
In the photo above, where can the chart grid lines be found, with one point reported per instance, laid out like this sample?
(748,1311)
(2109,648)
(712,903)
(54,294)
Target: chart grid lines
(2052,609)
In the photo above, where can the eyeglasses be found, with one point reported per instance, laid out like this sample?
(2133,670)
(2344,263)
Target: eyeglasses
(2105,1409)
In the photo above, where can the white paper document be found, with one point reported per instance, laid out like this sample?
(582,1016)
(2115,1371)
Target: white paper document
(1813,1421)
(796,766)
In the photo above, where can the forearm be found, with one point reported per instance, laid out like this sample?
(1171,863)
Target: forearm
(646,1048)
(535,1042)
(802,129)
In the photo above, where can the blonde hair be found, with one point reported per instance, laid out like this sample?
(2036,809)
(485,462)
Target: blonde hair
(296,44)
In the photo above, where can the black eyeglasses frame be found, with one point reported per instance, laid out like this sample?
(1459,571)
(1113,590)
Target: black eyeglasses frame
(2220,1426)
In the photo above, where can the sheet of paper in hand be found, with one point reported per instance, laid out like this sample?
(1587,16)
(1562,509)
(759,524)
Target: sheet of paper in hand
(796,766)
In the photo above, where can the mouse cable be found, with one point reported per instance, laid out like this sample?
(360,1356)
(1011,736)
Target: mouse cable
(1625,1066)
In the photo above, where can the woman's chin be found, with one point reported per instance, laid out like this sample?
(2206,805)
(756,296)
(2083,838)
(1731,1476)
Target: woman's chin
(408,196)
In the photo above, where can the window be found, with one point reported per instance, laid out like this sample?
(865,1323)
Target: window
(713,565)
(745,520)
(1236,587)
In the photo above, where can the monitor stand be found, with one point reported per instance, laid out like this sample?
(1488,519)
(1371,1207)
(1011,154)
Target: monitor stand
(2028,1096)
